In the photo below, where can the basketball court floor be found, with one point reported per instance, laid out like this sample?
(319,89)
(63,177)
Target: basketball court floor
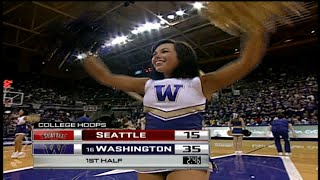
(259,161)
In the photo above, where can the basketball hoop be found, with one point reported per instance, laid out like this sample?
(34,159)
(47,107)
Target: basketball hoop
(12,97)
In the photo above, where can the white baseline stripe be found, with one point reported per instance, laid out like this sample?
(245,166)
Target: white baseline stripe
(216,157)
(20,169)
(291,169)
(262,155)
(116,171)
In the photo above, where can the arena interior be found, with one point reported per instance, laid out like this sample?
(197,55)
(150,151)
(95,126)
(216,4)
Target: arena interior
(56,87)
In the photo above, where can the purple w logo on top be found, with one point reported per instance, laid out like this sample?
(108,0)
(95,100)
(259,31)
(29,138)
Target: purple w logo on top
(164,91)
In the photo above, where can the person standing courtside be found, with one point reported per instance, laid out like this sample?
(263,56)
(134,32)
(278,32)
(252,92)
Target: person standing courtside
(236,126)
(280,128)
(84,118)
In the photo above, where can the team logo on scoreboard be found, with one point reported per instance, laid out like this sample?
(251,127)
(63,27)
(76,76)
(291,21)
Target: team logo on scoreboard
(46,135)
(55,136)
(53,149)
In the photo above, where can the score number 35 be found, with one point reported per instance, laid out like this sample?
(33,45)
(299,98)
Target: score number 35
(191,149)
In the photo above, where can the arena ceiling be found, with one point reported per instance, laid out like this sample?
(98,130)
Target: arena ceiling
(25,24)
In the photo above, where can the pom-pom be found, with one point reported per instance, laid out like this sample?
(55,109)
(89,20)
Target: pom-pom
(245,17)
(246,132)
(86,33)
(229,133)
(33,118)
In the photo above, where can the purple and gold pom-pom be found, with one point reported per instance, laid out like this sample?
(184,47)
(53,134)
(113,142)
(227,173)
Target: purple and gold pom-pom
(82,33)
(33,118)
(245,17)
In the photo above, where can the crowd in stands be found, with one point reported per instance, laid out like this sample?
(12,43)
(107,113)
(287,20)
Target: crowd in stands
(47,90)
(264,93)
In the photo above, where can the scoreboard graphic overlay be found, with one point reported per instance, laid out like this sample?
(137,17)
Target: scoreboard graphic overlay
(69,145)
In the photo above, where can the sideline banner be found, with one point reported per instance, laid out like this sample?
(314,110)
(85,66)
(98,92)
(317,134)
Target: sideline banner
(302,131)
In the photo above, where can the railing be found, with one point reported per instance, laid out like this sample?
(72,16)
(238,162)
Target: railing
(262,132)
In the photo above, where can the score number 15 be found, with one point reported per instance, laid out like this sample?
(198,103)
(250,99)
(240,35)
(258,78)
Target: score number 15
(192,134)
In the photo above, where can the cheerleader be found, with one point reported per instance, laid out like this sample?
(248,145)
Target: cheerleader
(142,122)
(22,129)
(236,126)
(175,94)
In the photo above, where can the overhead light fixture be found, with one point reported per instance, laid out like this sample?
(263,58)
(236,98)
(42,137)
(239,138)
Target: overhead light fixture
(146,27)
(135,31)
(162,22)
(150,26)
(198,5)
(288,40)
(171,16)
(180,13)
(107,44)
(141,29)
(313,31)
(119,40)
(81,56)
(235,50)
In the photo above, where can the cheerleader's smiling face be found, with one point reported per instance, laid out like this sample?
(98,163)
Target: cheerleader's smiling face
(173,59)
(165,59)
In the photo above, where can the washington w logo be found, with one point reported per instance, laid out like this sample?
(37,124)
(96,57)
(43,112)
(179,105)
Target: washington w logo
(167,93)
(54,148)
